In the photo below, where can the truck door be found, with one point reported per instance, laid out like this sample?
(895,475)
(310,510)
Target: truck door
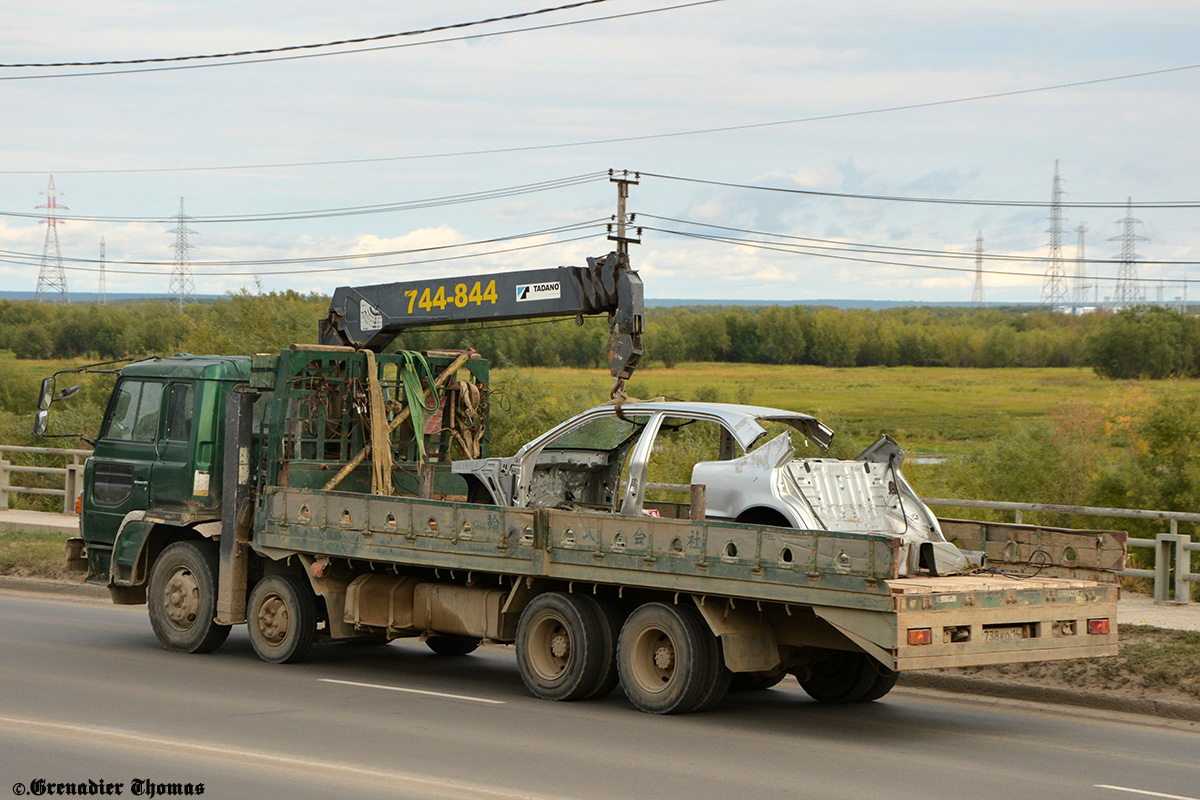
(172,484)
(118,473)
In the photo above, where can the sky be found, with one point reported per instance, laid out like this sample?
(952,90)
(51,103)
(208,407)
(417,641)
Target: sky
(800,90)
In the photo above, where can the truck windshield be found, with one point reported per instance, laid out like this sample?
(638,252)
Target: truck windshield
(134,414)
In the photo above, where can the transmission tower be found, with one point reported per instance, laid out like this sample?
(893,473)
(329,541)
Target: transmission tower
(101,297)
(977,294)
(1127,293)
(1081,285)
(182,287)
(52,279)
(1054,285)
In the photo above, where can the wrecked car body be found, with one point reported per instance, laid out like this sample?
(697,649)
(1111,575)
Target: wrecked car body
(609,459)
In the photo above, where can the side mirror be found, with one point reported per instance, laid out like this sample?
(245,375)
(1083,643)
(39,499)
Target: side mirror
(46,395)
(39,422)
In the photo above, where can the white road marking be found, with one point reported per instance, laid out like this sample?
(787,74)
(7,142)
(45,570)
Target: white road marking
(416,691)
(81,735)
(1145,792)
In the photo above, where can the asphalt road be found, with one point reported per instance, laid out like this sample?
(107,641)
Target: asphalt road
(87,695)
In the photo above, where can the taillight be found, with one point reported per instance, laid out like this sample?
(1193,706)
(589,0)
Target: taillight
(920,636)
(1098,627)
(79,503)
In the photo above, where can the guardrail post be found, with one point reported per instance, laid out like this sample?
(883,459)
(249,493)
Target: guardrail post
(1183,563)
(72,483)
(1162,568)
(1164,586)
(4,484)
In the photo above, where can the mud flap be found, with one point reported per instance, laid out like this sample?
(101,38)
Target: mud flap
(870,630)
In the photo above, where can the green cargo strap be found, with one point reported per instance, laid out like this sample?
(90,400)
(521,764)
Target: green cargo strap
(414,394)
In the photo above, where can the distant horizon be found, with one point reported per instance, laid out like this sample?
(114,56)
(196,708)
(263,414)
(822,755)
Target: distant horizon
(651,302)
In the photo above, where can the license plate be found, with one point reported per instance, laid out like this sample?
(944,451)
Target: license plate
(1003,634)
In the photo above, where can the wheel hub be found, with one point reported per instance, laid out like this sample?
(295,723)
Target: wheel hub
(273,619)
(181,598)
(664,657)
(560,646)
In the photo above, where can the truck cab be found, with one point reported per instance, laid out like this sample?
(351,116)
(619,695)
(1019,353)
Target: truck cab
(157,460)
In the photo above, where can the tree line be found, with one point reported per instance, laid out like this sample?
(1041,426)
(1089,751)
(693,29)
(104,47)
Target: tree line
(1144,342)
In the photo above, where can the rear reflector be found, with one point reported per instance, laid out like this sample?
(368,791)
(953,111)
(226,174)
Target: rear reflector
(1095,627)
(925,635)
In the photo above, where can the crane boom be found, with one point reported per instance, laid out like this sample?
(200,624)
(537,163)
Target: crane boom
(370,317)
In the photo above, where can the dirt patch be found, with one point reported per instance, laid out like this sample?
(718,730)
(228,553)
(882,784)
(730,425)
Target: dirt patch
(1153,664)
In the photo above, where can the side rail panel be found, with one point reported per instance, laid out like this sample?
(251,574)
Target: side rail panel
(1038,550)
(709,558)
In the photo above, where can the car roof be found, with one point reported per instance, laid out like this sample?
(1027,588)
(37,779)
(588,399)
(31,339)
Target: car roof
(743,420)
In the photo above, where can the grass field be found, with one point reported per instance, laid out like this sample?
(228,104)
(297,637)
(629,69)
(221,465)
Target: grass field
(929,410)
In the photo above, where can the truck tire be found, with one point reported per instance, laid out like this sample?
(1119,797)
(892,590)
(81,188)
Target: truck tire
(755,681)
(445,645)
(610,630)
(719,677)
(840,677)
(885,680)
(665,660)
(182,598)
(560,647)
(281,616)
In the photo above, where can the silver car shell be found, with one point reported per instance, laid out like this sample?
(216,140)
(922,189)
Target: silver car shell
(849,495)
(507,479)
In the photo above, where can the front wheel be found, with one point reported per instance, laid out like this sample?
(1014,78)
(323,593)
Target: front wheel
(282,619)
(182,598)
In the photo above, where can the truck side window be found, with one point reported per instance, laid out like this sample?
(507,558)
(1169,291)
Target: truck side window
(134,415)
(179,413)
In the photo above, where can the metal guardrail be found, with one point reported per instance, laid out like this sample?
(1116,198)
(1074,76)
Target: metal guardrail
(72,474)
(1172,551)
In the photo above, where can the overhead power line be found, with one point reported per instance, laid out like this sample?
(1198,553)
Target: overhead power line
(883,249)
(244,61)
(638,138)
(316,46)
(782,248)
(326,259)
(349,211)
(934,200)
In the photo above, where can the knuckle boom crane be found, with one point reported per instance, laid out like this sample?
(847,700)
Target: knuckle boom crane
(370,317)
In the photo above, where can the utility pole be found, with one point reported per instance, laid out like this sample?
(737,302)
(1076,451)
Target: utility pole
(182,286)
(1127,293)
(1054,285)
(623,182)
(977,294)
(101,296)
(52,279)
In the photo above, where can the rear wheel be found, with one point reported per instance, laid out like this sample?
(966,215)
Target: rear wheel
(842,676)
(445,645)
(182,598)
(885,680)
(610,630)
(560,647)
(719,677)
(282,618)
(755,681)
(665,660)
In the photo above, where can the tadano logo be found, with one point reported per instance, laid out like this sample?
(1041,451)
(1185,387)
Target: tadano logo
(539,291)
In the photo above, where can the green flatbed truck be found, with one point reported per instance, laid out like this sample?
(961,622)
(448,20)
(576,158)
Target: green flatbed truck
(295,493)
